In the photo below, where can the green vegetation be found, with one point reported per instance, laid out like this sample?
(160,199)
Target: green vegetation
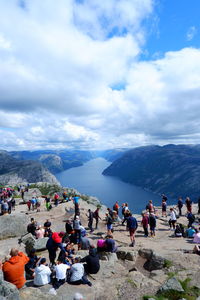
(46,189)
(131,282)
(171,274)
(168,263)
(190,293)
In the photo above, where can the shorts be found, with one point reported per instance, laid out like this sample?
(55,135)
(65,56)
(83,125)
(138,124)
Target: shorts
(109,226)
(132,231)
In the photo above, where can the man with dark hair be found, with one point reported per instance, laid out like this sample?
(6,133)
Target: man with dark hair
(132,225)
(92,265)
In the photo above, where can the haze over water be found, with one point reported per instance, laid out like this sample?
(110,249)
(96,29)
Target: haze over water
(88,179)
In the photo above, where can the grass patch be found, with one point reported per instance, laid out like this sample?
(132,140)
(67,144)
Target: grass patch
(168,263)
(171,274)
(132,283)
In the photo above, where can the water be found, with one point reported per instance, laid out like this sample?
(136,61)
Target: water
(88,179)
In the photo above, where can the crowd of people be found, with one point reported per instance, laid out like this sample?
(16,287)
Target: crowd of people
(67,266)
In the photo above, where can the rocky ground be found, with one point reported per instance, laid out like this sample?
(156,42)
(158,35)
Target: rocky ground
(122,275)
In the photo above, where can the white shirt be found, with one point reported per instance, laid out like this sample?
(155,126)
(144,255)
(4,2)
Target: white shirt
(42,275)
(172,216)
(61,271)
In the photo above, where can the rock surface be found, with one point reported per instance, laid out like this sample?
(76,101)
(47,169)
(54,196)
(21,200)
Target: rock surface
(171,284)
(13,225)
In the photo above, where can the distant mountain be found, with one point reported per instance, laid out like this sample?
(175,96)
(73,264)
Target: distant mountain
(111,154)
(56,160)
(171,169)
(14,171)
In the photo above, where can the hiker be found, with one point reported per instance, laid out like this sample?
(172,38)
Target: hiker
(132,227)
(56,198)
(68,227)
(152,224)
(47,228)
(150,207)
(77,274)
(54,242)
(164,197)
(61,274)
(191,219)
(164,208)
(196,238)
(125,213)
(172,220)
(77,229)
(96,217)
(178,231)
(116,207)
(92,265)
(31,265)
(14,268)
(42,273)
(85,243)
(180,205)
(110,245)
(90,220)
(188,204)
(145,222)
(31,228)
(109,222)
(39,233)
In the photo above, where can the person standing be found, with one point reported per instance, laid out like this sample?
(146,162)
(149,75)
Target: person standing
(188,204)
(172,220)
(109,222)
(90,220)
(145,223)
(152,224)
(132,226)
(54,242)
(97,217)
(180,205)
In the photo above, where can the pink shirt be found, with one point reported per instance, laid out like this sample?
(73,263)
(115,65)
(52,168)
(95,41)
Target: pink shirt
(39,233)
(197,238)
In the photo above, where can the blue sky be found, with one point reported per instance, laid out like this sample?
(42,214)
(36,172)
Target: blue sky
(175,24)
(99,74)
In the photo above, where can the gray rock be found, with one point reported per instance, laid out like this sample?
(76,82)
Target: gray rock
(35,192)
(8,291)
(35,294)
(131,255)
(13,226)
(111,257)
(145,253)
(30,243)
(156,262)
(125,253)
(171,284)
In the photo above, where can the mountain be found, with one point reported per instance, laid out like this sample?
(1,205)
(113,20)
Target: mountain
(171,169)
(55,160)
(111,154)
(14,171)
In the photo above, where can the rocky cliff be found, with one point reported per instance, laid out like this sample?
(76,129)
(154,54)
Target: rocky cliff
(14,171)
(171,169)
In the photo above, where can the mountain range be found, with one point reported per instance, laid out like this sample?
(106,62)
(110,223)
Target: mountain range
(170,169)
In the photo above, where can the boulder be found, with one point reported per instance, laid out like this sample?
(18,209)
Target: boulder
(125,253)
(145,253)
(156,262)
(8,291)
(30,243)
(35,192)
(34,294)
(13,226)
(108,256)
(171,284)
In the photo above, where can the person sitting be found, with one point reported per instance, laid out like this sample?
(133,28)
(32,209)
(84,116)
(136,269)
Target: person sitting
(191,219)
(101,245)
(61,274)
(196,249)
(13,269)
(190,232)
(67,257)
(197,237)
(110,245)
(31,265)
(178,231)
(77,274)
(42,273)
(31,228)
(39,233)
(85,243)
(68,227)
(92,265)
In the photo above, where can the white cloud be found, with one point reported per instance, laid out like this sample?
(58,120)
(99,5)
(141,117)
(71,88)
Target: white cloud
(192,31)
(58,63)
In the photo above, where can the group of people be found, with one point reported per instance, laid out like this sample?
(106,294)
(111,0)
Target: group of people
(7,200)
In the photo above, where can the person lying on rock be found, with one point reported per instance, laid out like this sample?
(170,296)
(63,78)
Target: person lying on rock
(14,268)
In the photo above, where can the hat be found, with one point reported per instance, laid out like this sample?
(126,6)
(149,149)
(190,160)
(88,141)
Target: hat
(61,234)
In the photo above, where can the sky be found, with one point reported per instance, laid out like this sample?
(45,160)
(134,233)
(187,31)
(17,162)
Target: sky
(93,74)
